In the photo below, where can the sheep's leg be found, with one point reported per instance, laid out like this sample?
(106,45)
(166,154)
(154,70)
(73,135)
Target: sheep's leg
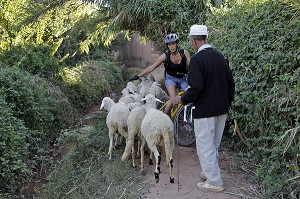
(157,166)
(171,165)
(111,140)
(171,171)
(138,147)
(133,156)
(129,144)
(123,133)
(150,158)
(169,146)
(116,138)
(153,148)
(143,142)
(120,140)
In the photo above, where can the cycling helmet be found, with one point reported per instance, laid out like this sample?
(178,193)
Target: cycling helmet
(171,38)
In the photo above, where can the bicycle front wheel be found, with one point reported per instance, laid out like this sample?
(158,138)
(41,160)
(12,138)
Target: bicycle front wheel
(184,133)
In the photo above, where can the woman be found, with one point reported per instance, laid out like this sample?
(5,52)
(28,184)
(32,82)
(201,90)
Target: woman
(175,62)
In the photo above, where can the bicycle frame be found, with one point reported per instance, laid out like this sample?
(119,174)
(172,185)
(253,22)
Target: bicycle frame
(174,110)
(183,128)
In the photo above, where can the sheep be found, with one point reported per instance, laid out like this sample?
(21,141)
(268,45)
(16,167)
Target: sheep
(131,87)
(158,92)
(129,97)
(116,120)
(126,98)
(132,105)
(146,81)
(134,121)
(156,129)
(144,89)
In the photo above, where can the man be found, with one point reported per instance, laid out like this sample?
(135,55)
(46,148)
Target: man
(211,90)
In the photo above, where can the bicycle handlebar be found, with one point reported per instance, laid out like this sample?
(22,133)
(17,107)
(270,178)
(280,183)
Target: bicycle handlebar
(183,74)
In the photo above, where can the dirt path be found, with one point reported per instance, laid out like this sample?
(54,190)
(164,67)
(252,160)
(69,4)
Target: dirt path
(237,183)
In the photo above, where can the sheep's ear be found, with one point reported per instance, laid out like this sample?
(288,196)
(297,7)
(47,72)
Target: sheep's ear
(159,100)
(102,105)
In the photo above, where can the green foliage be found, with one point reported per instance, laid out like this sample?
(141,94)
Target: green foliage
(261,39)
(87,82)
(61,25)
(153,19)
(86,172)
(37,60)
(14,150)
(32,114)
(40,105)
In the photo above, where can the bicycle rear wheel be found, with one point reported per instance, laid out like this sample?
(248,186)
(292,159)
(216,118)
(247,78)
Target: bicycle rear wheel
(184,133)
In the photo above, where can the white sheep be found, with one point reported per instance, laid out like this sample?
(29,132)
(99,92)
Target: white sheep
(134,122)
(131,87)
(127,99)
(157,128)
(132,105)
(129,96)
(158,92)
(145,88)
(116,120)
(148,80)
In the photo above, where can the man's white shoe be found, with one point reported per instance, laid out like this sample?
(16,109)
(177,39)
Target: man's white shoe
(203,176)
(207,187)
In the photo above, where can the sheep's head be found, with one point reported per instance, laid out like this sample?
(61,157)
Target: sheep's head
(151,101)
(125,92)
(131,87)
(132,105)
(107,103)
(155,89)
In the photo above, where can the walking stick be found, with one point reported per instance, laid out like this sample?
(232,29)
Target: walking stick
(177,159)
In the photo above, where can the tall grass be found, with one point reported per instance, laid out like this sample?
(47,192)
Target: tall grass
(86,172)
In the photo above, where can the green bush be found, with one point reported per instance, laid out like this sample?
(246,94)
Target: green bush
(39,104)
(37,60)
(261,39)
(86,83)
(86,172)
(14,150)
(32,114)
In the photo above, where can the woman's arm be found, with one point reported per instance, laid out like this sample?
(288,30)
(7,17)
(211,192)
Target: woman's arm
(188,56)
(151,68)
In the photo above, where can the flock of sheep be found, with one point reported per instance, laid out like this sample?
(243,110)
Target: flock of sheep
(135,117)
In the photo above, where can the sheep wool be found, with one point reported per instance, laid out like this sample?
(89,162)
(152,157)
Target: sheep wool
(134,122)
(116,121)
(156,128)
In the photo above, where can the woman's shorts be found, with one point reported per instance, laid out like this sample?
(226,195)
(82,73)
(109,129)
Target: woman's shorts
(179,83)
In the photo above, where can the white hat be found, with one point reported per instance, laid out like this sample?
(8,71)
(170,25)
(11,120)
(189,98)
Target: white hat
(198,30)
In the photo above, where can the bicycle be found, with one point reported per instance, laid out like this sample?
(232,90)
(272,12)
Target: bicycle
(183,123)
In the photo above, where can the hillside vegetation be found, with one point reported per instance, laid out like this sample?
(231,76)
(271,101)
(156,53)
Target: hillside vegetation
(262,42)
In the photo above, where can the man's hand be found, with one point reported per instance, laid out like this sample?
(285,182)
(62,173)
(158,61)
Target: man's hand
(134,78)
(176,100)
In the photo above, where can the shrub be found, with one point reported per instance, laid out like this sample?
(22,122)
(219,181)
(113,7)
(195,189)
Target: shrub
(14,150)
(37,60)
(86,172)
(261,39)
(88,82)
(32,114)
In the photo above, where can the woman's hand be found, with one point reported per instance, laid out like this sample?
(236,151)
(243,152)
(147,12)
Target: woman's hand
(134,78)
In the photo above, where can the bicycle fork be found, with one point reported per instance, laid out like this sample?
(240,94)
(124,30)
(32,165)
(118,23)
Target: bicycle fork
(190,119)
